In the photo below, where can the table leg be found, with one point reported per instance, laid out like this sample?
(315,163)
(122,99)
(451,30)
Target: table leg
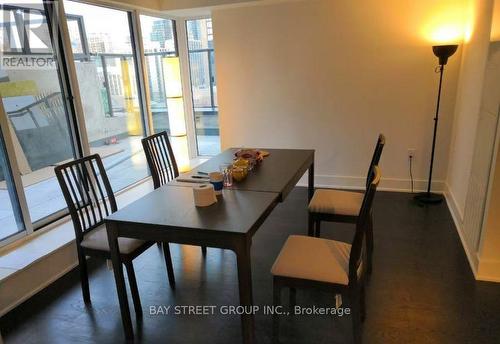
(310,222)
(311,182)
(119,279)
(245,288)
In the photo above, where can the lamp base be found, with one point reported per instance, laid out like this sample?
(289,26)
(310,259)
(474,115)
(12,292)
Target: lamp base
(428,198)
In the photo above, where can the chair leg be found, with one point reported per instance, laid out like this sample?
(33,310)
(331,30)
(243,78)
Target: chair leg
(293,299)
(356,314)
(318,228)
(168,263)
(84,277)
(362,303)
(310,224)
(204,251)
(276,319)
(133,289)
(369,244)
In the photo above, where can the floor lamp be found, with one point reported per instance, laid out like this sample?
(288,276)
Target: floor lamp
(443,52)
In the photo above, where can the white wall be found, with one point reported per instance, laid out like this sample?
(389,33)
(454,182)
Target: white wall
(469,93)
(331,75)
(489,253)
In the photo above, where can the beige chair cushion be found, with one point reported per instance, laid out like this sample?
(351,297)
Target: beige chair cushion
(314,259)
(97,239)
(336,202)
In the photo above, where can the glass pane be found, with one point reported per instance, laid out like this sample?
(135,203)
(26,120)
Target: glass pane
(35,106)
(75,34)
(38,33)
(10,35)
(159,42)
(10,220)
(203,85)
(200,79)
(108,87)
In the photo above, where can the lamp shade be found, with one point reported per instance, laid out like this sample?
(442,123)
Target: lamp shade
(443,52)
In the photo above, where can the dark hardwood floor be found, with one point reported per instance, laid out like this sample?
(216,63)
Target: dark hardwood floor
(421,290)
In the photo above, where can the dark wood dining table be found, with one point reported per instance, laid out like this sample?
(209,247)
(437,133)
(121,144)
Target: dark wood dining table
(168,214)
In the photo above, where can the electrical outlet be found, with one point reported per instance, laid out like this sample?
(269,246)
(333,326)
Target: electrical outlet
(411,153)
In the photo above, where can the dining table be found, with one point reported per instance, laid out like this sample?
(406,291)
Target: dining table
(168,214)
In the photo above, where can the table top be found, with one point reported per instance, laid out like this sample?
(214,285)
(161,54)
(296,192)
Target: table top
(237,211)
(279,172)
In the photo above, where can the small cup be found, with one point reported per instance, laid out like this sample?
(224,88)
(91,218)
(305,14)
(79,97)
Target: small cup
(227,173)
(217,180)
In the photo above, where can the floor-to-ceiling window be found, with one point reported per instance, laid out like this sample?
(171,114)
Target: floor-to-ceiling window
(44,125)
(33,97)
(158,37)
(103,50)
(203,85)
(10,217)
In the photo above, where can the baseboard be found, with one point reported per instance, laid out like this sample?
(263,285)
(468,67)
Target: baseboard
(458,219)
(455,209)
(386,184)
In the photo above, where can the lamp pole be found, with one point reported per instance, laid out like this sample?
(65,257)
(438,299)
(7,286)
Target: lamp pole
(436,119)
(443,52)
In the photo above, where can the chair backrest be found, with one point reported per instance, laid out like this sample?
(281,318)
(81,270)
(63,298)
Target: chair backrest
(377,153)
(355,258)
(161,159)
(87,191)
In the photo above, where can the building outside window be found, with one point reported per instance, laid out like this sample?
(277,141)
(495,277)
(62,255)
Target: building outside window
(203,85)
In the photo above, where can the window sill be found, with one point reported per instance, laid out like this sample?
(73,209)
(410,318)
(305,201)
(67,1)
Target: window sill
(31,248)
(34,247)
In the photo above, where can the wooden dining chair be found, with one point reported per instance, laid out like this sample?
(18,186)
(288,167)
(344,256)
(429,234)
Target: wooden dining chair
(344,206)
(161,161)
(89,197)
(327,265)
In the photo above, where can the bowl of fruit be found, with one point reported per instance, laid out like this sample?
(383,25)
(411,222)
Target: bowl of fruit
(253,156)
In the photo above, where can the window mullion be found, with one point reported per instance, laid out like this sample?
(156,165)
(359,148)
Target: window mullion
(67,54)
(15,171)
(144,92)
(182,49)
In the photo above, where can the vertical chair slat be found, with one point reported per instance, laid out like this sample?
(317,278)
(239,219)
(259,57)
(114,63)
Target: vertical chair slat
(86,187)
(107,185)
(165,158)
(162,160)
(101,193)
(73,197)
(158,167)
(81,212)
(160,157)
(95,198)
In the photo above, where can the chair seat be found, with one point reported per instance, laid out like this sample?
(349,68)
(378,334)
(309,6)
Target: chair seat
(329,201)
(314,259)
(97,239)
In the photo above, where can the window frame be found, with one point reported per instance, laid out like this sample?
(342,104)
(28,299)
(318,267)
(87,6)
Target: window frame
(190,81)
(73,103)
